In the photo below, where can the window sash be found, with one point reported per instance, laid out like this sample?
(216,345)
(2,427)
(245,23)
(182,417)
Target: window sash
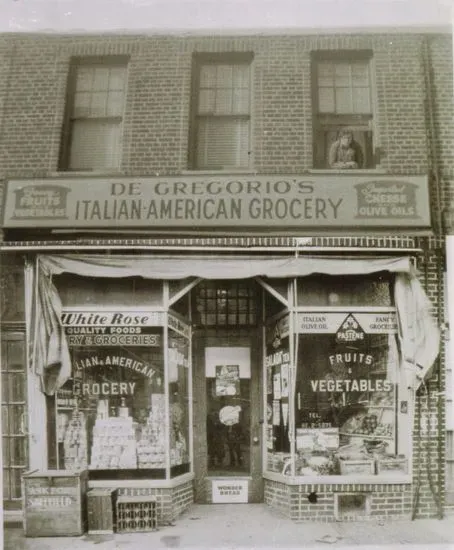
(343,87)
(222,142)
(95,144)
(221,123)
(94,120)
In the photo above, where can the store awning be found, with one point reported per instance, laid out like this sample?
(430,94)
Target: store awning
(418,333)
(228,267)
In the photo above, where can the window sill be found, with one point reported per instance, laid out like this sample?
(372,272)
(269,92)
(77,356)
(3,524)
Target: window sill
(141,483)
(87,173)
(347,172)
(382,479)
(223,172)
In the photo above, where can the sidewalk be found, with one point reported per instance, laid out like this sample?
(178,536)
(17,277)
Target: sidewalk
(254,526)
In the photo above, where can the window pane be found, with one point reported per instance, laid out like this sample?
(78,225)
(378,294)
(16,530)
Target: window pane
(101,79)
(360,74)
(82,102)
(84,79)
(223,102)
(16,490)
(6,484)
(325,76)
(94,145)
(16,386)
(16,419)
(208,76)
(345,401)
(117,78)
(223,143)
(115,104)
(98,104)
(342,74)
(18,455)
(224,76)
(111,415)
(6,451)
(361,100)
(5,387)
(344,100)
(326,100)
(206,102)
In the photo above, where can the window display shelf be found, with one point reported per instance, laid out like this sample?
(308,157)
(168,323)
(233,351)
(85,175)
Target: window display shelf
(366,436)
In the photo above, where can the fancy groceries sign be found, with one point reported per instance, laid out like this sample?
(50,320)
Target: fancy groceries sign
(210,201)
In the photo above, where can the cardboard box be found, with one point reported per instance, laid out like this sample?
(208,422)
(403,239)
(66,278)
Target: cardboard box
(392,466)
(357,467)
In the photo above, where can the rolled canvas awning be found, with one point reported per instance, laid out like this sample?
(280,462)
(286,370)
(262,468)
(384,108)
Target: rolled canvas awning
(418,333)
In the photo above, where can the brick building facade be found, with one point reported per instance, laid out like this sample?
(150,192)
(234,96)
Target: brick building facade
(266,119)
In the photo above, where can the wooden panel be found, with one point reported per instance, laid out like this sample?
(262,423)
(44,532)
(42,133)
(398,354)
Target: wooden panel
(54,503)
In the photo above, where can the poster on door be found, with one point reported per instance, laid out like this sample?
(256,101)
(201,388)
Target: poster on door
(227,380)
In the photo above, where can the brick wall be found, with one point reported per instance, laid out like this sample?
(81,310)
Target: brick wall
(392,501)
(171,502)
(33,76)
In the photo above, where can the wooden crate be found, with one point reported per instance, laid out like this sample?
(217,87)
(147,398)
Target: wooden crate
(101,510)
(136,513)
(357,467)
(54,503)
(392,466)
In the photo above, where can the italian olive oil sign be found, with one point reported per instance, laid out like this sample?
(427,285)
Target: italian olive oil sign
(246,201)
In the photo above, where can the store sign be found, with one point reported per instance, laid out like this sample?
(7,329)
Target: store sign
(347,327)
(117,320)
(347,200)
(229,491)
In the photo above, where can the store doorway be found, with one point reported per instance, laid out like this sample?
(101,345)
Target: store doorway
(227,401)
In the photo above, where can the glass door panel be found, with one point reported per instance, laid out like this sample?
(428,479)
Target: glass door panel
(228,422)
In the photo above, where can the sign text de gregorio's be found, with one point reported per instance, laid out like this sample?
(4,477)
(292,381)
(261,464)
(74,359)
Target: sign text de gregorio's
(247,201)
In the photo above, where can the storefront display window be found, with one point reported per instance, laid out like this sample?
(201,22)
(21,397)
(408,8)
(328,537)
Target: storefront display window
(345,399)
(337,412)
(277,372)
(111,413)
(179,413)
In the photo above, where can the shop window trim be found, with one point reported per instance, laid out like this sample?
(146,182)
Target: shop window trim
(329,122)
(72,119)
(214,116)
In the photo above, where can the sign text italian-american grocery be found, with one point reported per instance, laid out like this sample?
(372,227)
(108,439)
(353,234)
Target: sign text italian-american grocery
(207,201)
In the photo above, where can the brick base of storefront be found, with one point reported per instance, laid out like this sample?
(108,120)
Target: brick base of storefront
(323,502)
(171,502)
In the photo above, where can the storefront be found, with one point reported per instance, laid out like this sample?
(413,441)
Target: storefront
(284,375)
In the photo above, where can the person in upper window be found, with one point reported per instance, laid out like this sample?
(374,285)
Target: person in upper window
(345,152)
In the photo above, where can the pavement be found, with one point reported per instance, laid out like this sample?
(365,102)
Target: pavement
(254,526)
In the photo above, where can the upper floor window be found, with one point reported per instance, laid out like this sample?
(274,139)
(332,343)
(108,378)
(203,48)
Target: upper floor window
(93,126)
(221,121)
(343,105)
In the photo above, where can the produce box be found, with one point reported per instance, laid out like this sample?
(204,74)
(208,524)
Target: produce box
(392,466)
(54,503)
(360,467)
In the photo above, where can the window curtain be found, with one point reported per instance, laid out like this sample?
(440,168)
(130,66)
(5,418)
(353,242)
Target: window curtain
(417,330)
